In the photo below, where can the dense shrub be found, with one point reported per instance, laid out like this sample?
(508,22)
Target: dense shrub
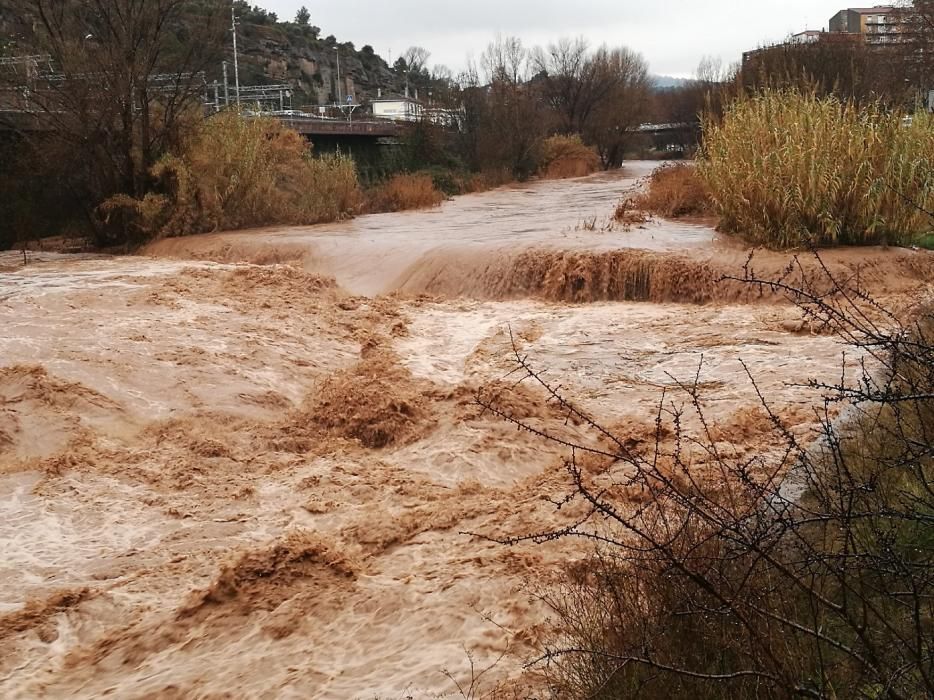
(453,182)
(789,169)
(402,192)
(236,173)
(674,191)
(567,156)
(448,181)
(36,201)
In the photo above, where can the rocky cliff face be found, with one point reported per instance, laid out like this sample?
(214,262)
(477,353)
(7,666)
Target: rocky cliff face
(282,52)
(294,54)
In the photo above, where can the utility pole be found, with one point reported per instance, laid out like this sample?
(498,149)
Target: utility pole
(340,97)
(226,87)
(233,29)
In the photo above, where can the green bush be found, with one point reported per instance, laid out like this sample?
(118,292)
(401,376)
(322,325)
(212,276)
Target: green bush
(787,169)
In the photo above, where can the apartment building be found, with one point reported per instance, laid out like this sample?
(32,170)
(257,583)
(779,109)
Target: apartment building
(877,25)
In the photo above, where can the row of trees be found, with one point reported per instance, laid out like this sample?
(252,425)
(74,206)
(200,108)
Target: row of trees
(514,97)
(130,74)
(896,72)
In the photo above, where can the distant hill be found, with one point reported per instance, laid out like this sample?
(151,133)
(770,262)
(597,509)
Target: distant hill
(665,82)
(272,51)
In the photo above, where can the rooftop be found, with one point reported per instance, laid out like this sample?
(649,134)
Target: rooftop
(877,10)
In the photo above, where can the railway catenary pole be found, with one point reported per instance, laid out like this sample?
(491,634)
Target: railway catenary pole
(233,29)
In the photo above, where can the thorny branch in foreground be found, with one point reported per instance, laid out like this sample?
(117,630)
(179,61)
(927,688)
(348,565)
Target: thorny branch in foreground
(805,571)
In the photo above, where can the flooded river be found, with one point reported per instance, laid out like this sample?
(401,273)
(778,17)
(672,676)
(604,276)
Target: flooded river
(245,465)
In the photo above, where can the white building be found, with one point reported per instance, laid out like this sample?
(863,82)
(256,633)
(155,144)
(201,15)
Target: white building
(808,37)
(400,108)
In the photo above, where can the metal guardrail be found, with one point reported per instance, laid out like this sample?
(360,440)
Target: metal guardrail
(321,127)
(26,60)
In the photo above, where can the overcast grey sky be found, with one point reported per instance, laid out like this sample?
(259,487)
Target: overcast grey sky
(673,35)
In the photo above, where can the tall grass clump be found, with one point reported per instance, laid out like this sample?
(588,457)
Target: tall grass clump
(236,173)
(788,169)
(567,156)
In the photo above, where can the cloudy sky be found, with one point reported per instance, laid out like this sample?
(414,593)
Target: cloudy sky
(672,34)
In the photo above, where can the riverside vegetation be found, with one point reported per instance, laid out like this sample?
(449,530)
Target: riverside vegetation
(788,169)
(805,572)
(236,173)
(141,160)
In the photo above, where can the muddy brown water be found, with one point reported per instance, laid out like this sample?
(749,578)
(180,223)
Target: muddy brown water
(223,476)
(534,241)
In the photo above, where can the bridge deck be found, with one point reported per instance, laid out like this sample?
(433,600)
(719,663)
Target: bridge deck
(38,121)
(322,127)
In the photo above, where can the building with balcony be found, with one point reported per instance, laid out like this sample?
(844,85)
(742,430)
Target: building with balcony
(877,25)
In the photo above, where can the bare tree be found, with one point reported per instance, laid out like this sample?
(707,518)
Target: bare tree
(416,58)
(612,123)
(571,81)
(507,112)
(124,79)
(914,45)
(711,71)
(601,95)
(506,60)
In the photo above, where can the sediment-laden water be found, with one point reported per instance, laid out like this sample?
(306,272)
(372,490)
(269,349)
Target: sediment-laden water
(244,465)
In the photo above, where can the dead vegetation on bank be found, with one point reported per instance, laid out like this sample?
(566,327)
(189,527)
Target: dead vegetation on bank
(788,169)
(403,192)
(791,169)
(803,570)
(238,173)
(566,157)
(673,191)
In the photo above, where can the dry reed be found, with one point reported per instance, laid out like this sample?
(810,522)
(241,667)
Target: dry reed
(675,191)
(237,173)
(787,169)
(403,192)
(566,157)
